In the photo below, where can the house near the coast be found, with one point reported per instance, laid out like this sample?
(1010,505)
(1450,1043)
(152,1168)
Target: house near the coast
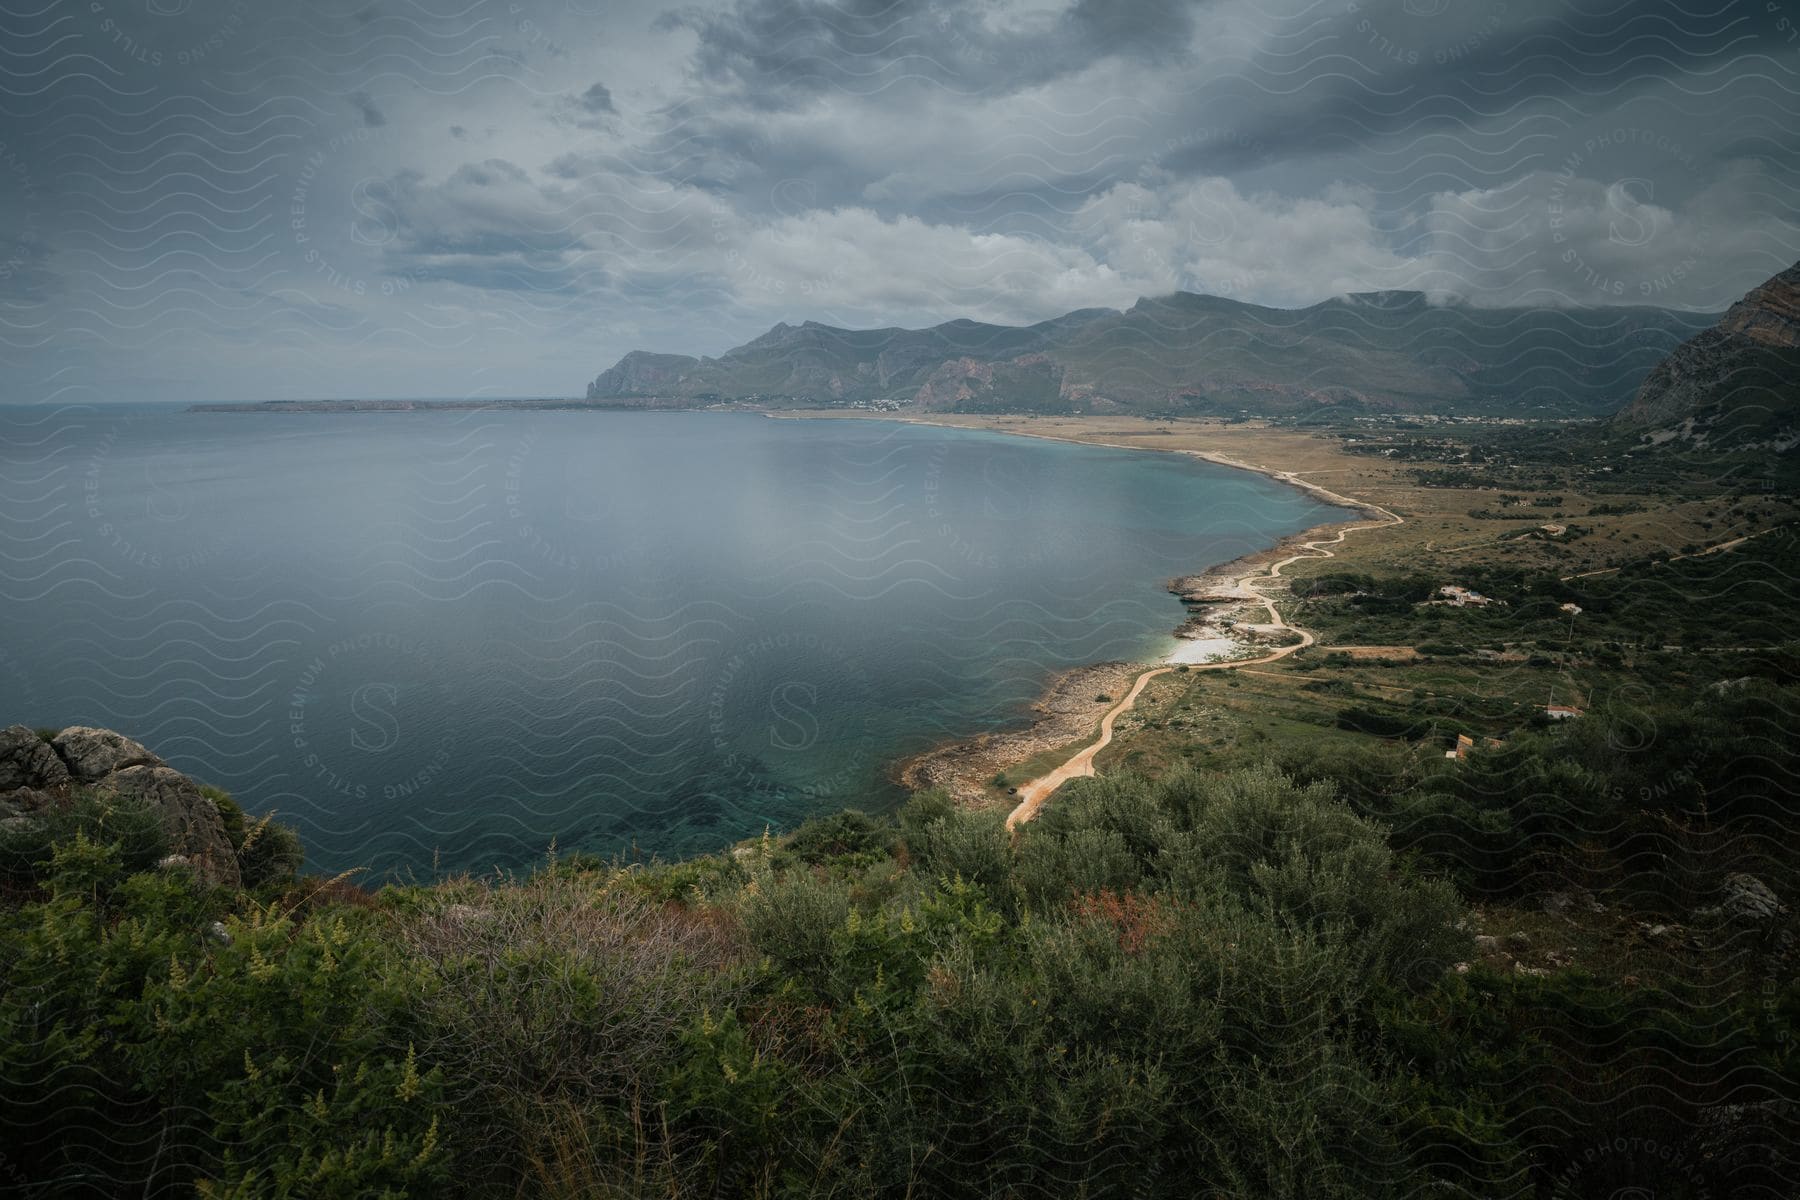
(1462,597)
(1465,743)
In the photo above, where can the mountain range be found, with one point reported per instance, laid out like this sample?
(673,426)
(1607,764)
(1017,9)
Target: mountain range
(1735,386)
(1184,353)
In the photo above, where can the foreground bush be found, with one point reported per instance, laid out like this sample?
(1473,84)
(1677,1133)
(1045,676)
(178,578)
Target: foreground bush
(1202,985)
(147,1051)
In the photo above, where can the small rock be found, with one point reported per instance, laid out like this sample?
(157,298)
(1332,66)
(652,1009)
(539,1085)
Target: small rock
(1520,968)
(1746,899)
(25,802)
(28,762)
(219,932)
(1461,968)
(1656,931)
(1572,900)
(92,754)
(1518,943)
(1749,899)
(1487,943)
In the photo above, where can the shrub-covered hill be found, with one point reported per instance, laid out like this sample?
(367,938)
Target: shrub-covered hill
(1205,984)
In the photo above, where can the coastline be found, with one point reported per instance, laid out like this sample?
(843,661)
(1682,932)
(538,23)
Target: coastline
(965,766)
(1222,626)
(1067,711)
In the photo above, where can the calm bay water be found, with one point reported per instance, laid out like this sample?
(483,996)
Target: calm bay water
(460,635)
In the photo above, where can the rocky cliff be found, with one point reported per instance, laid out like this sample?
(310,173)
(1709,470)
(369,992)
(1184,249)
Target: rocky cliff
(641,373)
(36,774)
(1734,386)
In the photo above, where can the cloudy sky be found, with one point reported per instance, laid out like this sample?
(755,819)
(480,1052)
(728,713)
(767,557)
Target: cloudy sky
(239,199)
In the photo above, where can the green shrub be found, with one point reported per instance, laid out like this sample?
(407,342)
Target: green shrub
(1054,867)
(272,1062)
(133,827)
(970,845)
(849,834)
(919,812)
(229,813)
(711,878)
(270,856)
(792,918)
(553,997)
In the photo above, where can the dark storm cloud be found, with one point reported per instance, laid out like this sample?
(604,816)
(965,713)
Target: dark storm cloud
(1150,29)
(1379,69)
(780,53)
(598,99)
(261,195)
(372,117)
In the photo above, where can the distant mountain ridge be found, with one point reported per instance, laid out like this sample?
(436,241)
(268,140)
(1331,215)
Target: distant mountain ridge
(1735,386)
(1196,354)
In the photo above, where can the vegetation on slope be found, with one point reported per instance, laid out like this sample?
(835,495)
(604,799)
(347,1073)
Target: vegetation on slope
(1232,982)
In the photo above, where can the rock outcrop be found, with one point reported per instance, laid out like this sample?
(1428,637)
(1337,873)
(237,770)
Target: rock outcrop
(1768,315)
(1734,386)
(195,828)
(641,373)
(1746,900)
(27,763)
(93,754)
(35,774)
(1031,381)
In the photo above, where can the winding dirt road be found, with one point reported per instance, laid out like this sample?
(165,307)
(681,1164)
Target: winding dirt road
(1033,795)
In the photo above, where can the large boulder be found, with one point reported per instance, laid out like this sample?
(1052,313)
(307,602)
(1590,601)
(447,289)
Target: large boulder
(1748,900)
(31,776)
(93,754)
(195,828)
(27,761)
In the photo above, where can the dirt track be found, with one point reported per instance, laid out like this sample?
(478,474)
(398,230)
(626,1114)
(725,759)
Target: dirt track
(1033,795)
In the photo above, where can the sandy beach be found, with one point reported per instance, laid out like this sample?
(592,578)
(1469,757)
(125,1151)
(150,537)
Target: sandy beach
(1205,650)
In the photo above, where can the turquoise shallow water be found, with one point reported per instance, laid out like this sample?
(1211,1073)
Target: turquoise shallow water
(452,637)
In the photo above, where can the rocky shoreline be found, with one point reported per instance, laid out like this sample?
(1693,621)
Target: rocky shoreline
(1214,597)
(1067,711)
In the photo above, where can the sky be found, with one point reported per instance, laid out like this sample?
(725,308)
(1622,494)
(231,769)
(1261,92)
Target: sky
(213,200)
